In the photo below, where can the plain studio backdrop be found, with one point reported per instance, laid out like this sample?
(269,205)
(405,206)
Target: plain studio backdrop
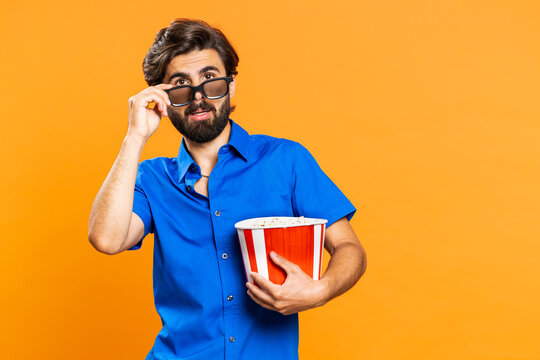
(424,113)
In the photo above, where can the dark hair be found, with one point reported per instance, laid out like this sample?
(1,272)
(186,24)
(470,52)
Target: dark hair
(182,37)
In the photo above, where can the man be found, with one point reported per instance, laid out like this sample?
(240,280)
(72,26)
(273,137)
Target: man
(191,202)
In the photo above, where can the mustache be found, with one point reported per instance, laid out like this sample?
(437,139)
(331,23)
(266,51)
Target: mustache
(200,106)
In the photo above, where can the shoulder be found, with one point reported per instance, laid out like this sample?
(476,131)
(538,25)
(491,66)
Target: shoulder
(280,151)
(155,169)
(264,144)
(156,163)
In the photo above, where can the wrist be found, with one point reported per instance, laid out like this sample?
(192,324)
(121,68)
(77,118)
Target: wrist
(135,139)
(323,291)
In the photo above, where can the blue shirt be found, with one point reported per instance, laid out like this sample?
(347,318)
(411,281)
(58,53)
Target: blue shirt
(198,275)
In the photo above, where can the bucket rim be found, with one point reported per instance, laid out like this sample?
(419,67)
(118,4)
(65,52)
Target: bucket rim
(247,223)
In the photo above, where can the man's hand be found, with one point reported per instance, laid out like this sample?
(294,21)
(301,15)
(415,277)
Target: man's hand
(143,121)
(299,292)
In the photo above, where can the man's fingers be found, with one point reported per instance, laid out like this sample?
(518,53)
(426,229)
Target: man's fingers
(159,107)
(259,293)
(161,89)
(164,99)
(158,96)
(164,86)
(264,283)
(162,105)
(283,263)
(154,96)
(259,301)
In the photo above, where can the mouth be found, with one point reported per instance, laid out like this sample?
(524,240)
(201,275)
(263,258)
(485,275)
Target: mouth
(200,114)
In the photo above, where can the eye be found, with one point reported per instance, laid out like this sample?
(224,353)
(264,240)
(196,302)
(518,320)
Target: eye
(209,76)
(180,82)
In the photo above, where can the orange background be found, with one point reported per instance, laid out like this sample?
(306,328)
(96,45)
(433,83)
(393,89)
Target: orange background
(425,114)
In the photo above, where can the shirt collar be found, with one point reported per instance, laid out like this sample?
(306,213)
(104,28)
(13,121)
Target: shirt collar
(239,139)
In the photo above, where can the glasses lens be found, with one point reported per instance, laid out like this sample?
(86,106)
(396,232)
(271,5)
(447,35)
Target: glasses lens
(216,88)
(180,95)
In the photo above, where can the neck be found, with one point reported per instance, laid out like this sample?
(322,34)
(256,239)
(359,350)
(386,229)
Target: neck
(206,154)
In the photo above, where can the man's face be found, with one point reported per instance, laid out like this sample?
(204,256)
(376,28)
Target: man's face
(204,119)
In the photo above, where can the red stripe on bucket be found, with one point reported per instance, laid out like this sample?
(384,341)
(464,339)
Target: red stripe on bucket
(274,240)
(309,249)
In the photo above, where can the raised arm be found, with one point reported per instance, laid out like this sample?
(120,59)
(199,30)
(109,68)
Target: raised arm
(113,227)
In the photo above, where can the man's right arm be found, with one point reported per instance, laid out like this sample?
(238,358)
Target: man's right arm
(113,226)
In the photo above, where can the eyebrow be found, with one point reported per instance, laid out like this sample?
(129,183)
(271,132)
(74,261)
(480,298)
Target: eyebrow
(186,76)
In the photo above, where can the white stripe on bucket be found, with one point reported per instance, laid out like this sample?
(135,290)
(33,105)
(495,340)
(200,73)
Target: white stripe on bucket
(316,250)
(323,226)
(260,252)
(245,254)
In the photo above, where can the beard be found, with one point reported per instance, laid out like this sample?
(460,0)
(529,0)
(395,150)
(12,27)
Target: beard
(204,130)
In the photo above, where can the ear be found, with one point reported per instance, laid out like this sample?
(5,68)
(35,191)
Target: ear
(232,86)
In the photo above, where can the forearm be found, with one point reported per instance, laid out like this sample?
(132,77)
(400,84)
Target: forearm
(110,216)
(347,264)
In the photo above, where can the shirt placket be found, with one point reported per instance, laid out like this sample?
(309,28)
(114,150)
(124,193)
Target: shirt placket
(224,251)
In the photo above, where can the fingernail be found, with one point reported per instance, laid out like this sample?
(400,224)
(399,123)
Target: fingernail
(272,253)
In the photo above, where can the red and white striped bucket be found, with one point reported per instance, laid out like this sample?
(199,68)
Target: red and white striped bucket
(300,240)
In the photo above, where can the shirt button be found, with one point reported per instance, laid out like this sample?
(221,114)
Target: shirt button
(224,256)
(189,187)
(230,297)
(217,213)
(231,339)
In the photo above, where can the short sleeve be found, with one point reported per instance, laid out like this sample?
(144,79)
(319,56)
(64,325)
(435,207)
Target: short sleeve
(141,207)
(314,194)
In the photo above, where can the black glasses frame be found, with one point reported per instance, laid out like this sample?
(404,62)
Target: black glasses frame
(199,88)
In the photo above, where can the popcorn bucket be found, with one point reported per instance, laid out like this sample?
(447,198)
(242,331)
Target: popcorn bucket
(298,239)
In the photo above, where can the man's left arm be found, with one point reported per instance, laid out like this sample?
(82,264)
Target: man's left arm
(300,292)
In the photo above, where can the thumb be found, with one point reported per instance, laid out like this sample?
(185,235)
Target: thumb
(282,262)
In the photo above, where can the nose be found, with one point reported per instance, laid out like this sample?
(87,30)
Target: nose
(198,95)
